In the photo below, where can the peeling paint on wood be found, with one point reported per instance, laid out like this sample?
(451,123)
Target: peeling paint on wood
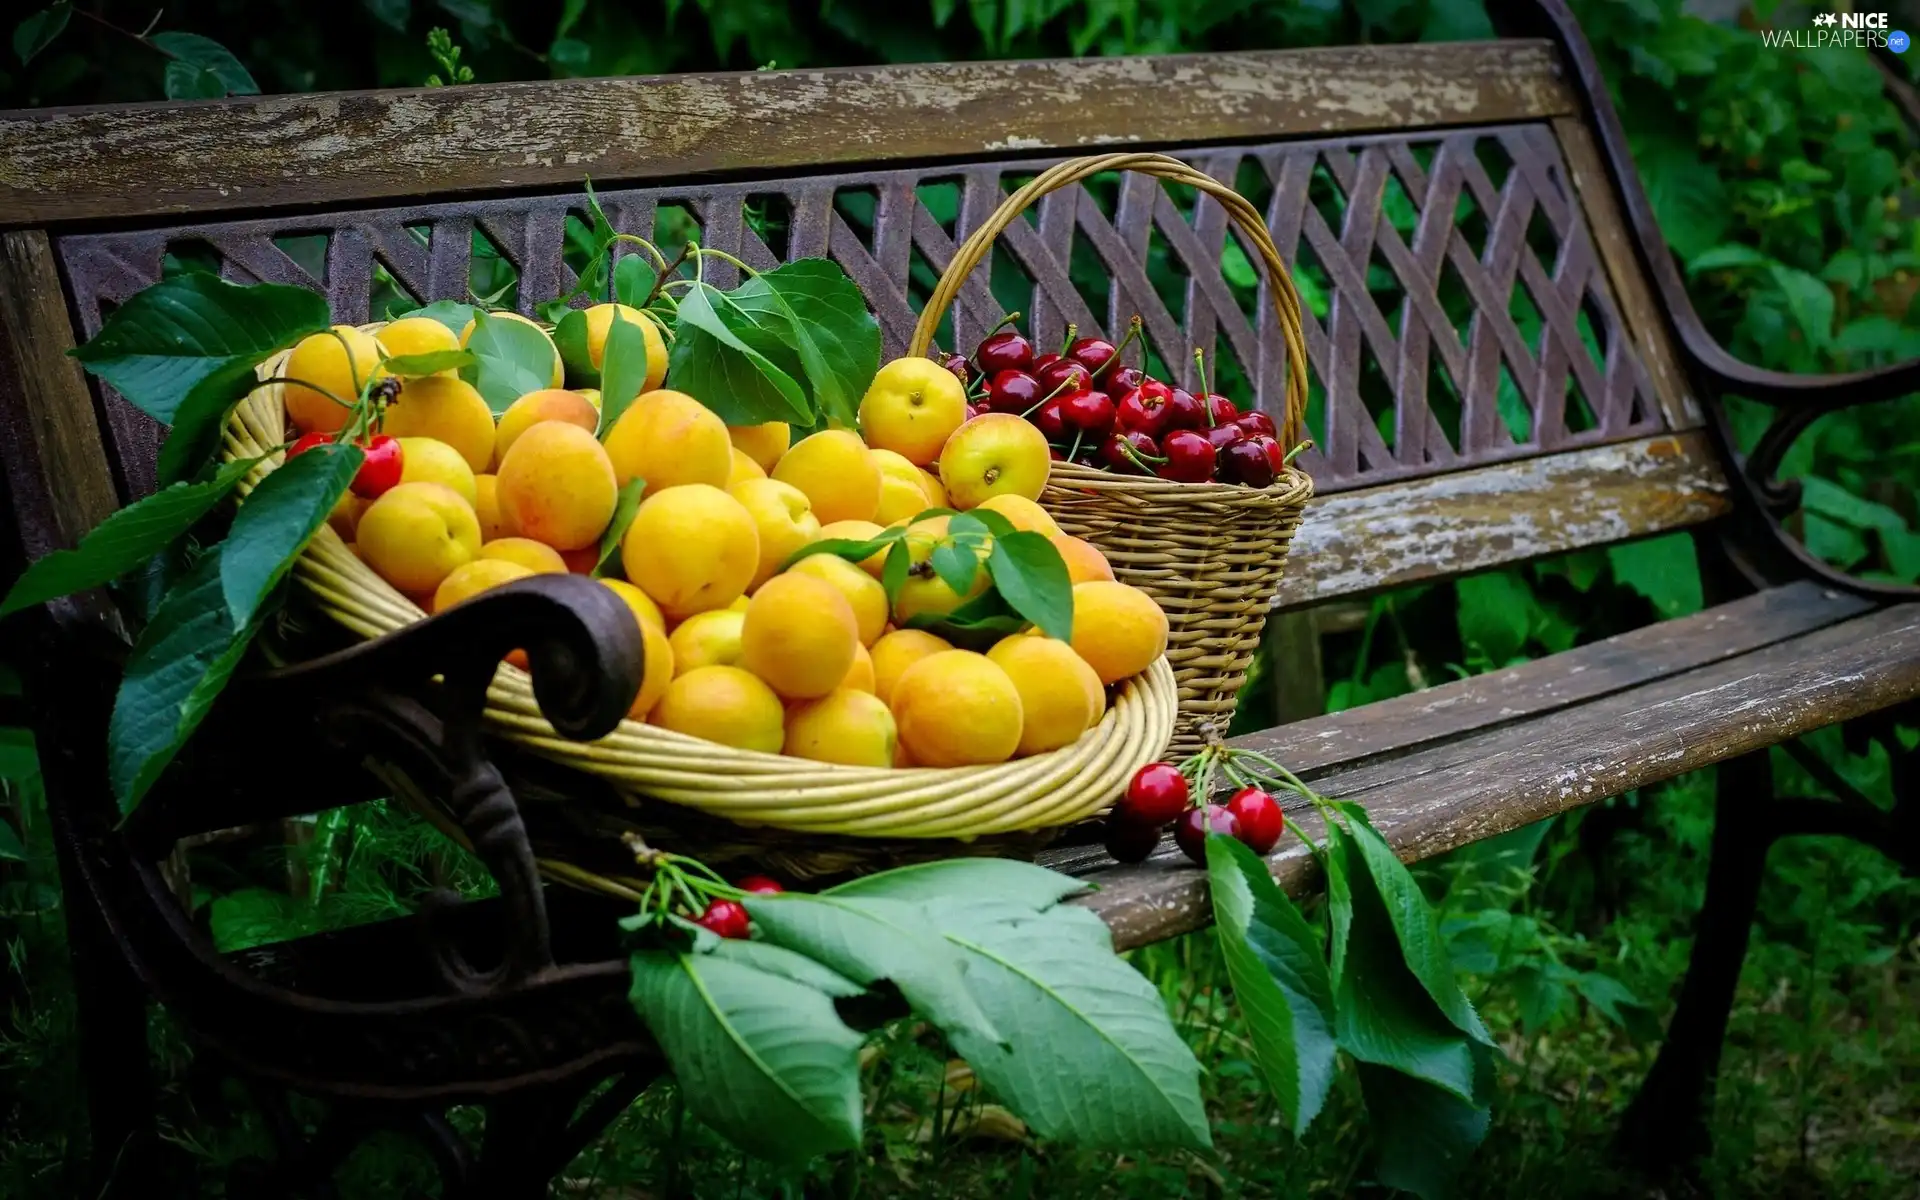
(63,165)
(1390,536)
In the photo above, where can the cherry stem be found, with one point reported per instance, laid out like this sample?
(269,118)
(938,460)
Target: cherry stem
(1200,361)
(1075,449)
(666,273)
(1134,330)
(1073,334)
(1295,452)
(1141,458)
(1002,323)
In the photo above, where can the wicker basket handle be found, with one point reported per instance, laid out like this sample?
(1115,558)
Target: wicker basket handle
(1286,302)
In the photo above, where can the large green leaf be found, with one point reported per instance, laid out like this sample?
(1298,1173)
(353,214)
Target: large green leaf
(1809,300)
(714,363)
(124,540)
(276,521)
(182,660)
(762,1058)
(34,34)
(869,939)
(1495,613)
(778,960)
(1006,880)
(204,67)
(813,308)
(12,849)
(623,370)
(454,314)
(1092,1056)
(1032,578)
(1383,1014)
(1280,980)
(1663,569)
(197,335)
(1423,1135)
(511,358)
(633,280)
(570,338)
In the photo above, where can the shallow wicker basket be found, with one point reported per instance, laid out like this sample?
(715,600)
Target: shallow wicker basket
(737,805)
(1211,553)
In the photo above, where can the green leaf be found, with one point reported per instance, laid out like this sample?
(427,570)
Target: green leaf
(893,572)
(1423,1135)
(633,280)
(12,849)
(415,366)
(1831,500)
(850,549)
(197,335)
(184,81)
(1092,1056)
(123,541)
(179,665)
(1006,880)
(1663,569)
(451,313)
(277,520)
(777,960)
(623,511)
(869,939)
(1032,578)
(1688,196)
(1842,545)
(1382,1012)
(570,338)
(1726,258)
(204,57)
(391,13)
(34,34)
(713,363)
(623,370)
(511,358)
(1280,979)
(761,1058)
(1809,300)
(956,563)
(1495,612)
(814,309)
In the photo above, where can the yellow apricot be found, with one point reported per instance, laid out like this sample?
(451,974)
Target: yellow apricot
(556,486)
(739,604)
(924,590)
(415,335)
(669,439)
(858,531)
(447,409)
(692,549)
(799,635)
(897,651)
(537,557)
(559,368)
(935,490)
(592,396)
(992,455)
(725,705)
(708,639)
(957,708)
(600,320)
(1057,690)
(843,726)
(837,474)
(486,506)
(764,444)
(903,495)
(1022,513)
(656,670)
(548,404)
(1118,629)
(1084,561)
(345,515)
(912,407)
(862,592)
(783,518)
(430,460)
(416,534)
(642,604)
(331,368)
(472,578)
(744,468)
(859,676)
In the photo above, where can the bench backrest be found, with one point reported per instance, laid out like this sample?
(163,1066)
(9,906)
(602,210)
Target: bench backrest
(1491,378)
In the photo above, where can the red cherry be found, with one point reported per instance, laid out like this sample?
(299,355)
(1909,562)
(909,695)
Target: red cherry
(726,918)
(1129,452)
(1004,351)
(1144,409)
(974,411)
(1155,795)
(1275,454)
(1125,379)
(1061,376)
(1184,410)
(957,363)
(1013,392)
(1222,436)
(1053,452)
(1261,822)
(380,473)
(1220,410)
(1089,412)
(1247,462)
(1189,457)
(306,442)
(1130,842)
(1052,425)
(760,885)
(1092,353)
(1256,422)
(1192,829)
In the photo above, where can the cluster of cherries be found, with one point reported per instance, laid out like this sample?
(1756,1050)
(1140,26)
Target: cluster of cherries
(728,918)
(1096,412)
(379,473)
(1160,795)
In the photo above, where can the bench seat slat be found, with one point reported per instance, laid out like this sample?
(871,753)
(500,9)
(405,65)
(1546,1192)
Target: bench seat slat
(1462,791)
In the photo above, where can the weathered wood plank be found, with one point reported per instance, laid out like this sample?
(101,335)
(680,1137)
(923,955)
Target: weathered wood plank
(1464,791)
(64,165)
(56,471)
(1397,534)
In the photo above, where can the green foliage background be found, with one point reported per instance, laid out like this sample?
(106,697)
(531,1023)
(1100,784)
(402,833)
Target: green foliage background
(1788,188)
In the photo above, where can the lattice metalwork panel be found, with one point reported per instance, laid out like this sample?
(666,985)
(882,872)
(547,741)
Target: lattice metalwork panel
(1457,313)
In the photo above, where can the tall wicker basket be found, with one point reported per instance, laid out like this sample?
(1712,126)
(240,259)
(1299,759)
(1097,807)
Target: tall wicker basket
(1211,553)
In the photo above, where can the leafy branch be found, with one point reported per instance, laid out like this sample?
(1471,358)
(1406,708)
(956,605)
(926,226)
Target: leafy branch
(198,68)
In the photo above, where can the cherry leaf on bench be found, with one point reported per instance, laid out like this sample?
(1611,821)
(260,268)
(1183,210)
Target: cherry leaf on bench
(1280,982)
(724,360)
(1423,1135)
(278,519)
(762,1058)
(123,541)
(511,358)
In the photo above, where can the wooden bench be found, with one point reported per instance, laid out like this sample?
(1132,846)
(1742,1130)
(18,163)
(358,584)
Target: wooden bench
(1468,212)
